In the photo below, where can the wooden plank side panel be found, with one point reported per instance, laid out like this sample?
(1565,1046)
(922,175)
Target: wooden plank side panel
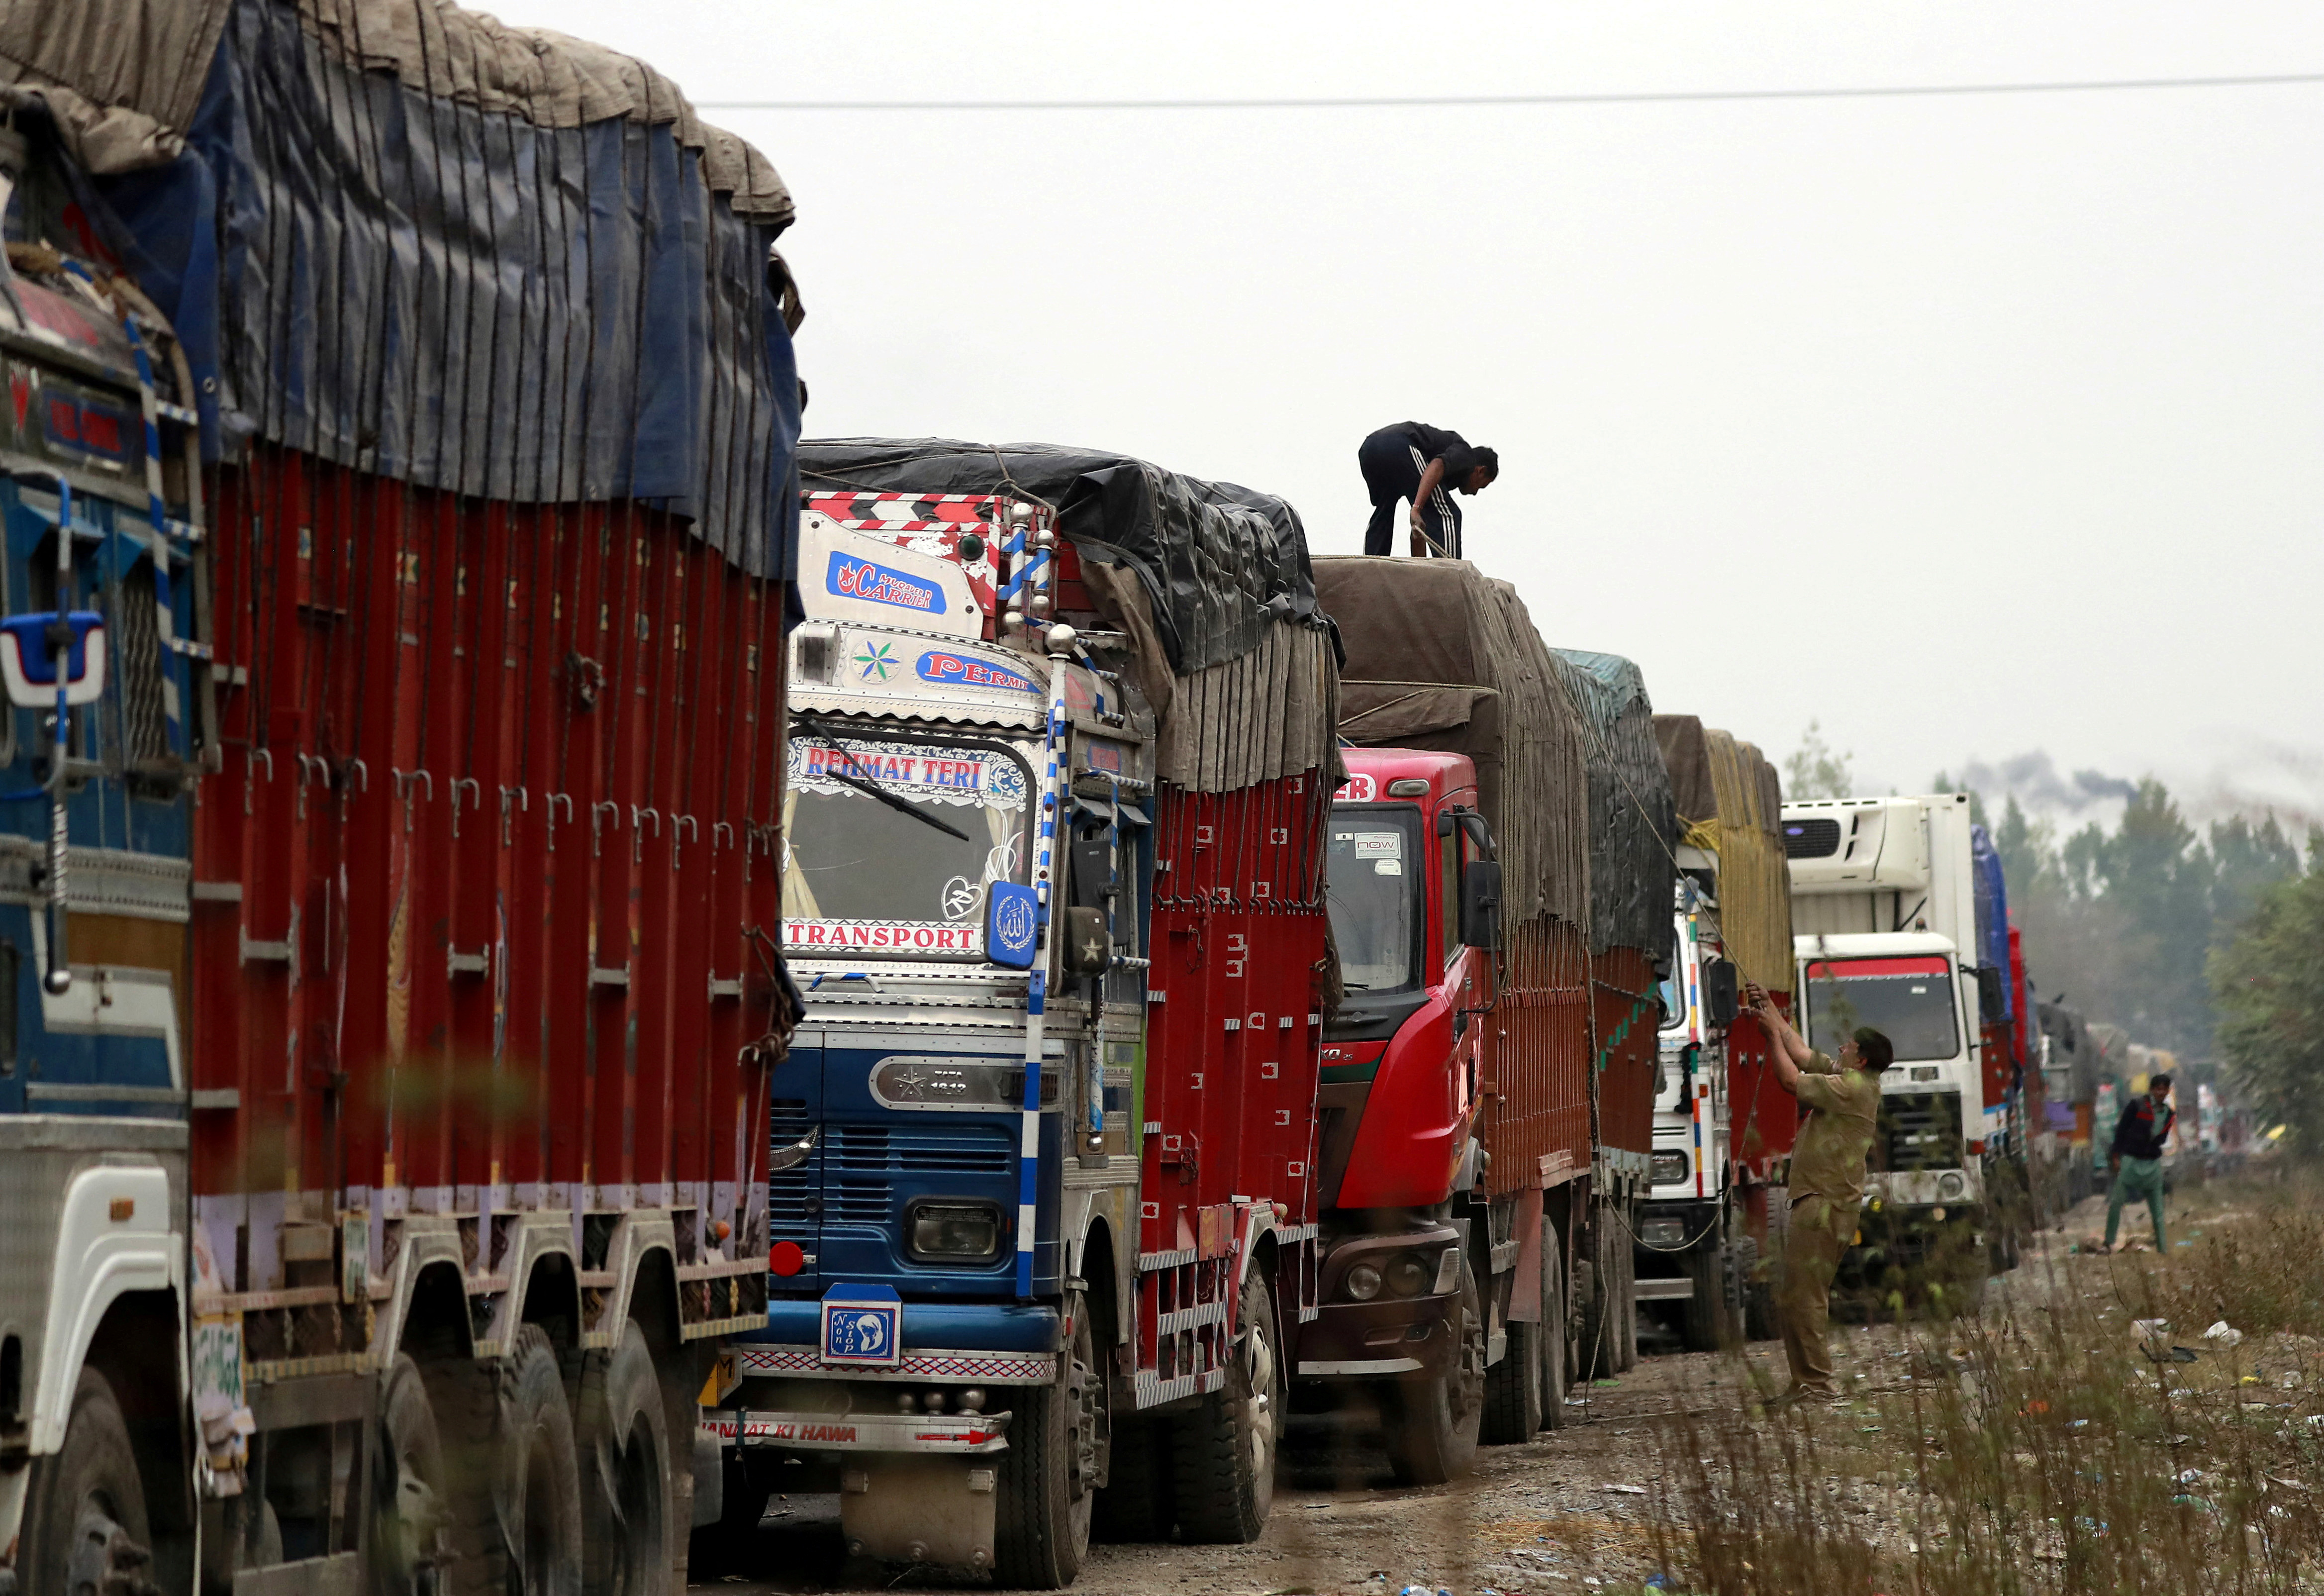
(1628,1018)
(1537,1064)
(412,870)
(1763,1118)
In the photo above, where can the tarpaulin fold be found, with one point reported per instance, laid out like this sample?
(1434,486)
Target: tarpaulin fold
(1730,803)
(1633,827)
(489,260)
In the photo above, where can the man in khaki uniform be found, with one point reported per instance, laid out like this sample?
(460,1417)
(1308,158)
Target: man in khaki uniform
(1827,1163)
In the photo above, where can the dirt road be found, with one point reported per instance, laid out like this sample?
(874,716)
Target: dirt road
(1573,1511)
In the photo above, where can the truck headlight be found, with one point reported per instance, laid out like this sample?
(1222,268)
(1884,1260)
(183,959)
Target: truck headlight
(1663,1232)
(1363,1283)
(1951,1184)
(954,1231)
(1669,1168)
(1407,1276)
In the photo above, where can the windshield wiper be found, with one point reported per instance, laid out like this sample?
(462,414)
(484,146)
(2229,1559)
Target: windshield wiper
(870,789)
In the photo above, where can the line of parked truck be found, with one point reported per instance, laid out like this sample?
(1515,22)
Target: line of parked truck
(572,961)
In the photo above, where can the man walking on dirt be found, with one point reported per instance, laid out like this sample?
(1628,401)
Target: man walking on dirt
(1828,1163)
(1427,465)
(2136,1157)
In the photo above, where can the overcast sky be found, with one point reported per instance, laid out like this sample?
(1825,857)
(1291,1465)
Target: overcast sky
(1973,427)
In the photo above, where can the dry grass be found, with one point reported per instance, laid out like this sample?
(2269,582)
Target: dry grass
(2039,1446)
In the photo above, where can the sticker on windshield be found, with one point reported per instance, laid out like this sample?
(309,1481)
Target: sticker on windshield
(1379,844)
(961,898)
(1388,867)
(952,776)
(886,935)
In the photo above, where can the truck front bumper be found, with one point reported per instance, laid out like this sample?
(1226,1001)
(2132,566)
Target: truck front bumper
(1389,1335)
(952,1434)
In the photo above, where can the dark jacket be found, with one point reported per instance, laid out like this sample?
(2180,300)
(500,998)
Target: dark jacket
(2138,1134)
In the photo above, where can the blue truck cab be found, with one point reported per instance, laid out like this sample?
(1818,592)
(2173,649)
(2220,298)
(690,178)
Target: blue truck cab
(966,849)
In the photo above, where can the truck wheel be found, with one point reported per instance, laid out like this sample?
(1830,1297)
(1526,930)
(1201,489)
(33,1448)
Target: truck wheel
(84,1524)
(1224,1452)
(523,1531)
(1705,1319)
(1626,1301)
(1553,1364)
(1135,1504)
(406,1523)
(1432,1424)
(628,1534)
(1048,1474)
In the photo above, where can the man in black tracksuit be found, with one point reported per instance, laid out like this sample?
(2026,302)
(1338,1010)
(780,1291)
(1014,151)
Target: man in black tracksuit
(1425,465)
(2139,1138)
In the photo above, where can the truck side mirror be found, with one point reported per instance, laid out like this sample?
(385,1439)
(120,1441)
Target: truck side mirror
(1480,904)
(1089,945)
(1011,917)
(1720,999)
(1988,994)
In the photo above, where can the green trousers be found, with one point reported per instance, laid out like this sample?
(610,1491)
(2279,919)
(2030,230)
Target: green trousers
(2139,1177)
(1814,1243)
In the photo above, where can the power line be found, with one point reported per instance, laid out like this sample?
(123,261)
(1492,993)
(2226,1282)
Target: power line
(1643,98)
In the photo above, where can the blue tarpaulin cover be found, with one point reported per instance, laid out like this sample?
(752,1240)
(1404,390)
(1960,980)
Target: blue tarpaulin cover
(1992,914)
(448,289)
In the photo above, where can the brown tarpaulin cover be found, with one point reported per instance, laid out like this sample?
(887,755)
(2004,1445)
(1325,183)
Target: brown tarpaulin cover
(1442,657)
(1730,802)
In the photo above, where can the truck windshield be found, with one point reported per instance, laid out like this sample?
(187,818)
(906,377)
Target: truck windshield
(1373,876)
(1908,1000)
(862,876)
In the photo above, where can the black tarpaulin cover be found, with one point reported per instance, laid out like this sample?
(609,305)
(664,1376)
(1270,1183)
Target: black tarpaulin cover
(1633,823)
(1222,563)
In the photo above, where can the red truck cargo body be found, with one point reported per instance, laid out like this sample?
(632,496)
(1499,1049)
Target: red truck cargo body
(1763,1118)
(1627,1013)
(476,892)
(1536,1119)
(1234,1018)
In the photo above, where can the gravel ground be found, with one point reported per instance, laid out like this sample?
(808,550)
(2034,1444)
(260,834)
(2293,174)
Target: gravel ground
(1569,1512)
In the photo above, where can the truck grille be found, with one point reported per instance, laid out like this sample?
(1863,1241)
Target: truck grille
(787,1192)
(1810,839)
(969,1150)
(1920,1130)
(858,1202)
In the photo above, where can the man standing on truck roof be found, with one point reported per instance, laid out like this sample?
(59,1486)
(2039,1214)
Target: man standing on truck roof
(1827,1182)
(1413,461)
(2136,1157)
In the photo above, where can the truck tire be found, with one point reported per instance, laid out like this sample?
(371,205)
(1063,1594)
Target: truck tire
(84,1526)
(1223,1451)
(1519,1397)
(1432,1424)
(1705,1323)
(1048,1474)
(521,1531)
(409,1501)
(629,1531)
(1137,1503)
(1555,1368)
(1626,1299)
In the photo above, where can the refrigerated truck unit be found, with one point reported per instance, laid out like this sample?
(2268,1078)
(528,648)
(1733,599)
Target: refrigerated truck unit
(1882,906)
(1043,1234)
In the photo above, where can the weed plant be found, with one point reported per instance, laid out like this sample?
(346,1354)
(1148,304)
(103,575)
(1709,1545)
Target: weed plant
(2044,1443)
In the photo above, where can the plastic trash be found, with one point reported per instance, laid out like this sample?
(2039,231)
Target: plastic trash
(2223,1335)
(2150,1329)
(1626,1489)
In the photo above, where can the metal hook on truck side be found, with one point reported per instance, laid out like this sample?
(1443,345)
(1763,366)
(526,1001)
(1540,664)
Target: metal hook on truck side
(404,781)
(550,804)
(475,799)
(597,826)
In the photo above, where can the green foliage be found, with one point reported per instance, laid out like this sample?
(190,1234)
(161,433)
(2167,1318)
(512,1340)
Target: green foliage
(2268,986)
(2123,923)
(1815,770)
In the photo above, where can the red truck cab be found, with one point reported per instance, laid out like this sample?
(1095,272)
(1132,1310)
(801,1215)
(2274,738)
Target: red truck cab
(1398,1101)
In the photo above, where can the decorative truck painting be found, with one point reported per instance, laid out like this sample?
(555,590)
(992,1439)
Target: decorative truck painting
(1043,1213)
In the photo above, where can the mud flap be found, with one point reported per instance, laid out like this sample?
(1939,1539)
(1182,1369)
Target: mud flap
(906,1509)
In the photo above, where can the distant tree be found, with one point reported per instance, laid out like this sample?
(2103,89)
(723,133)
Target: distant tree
(1815,771)
(2268,984)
